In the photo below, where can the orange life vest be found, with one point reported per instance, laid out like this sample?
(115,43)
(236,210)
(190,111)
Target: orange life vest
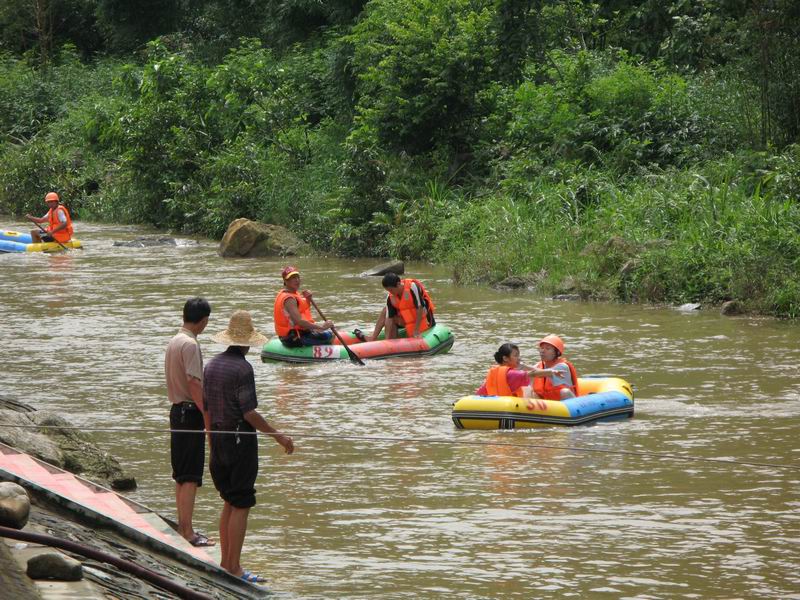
(497,382)
(543,386)
(405,305)
(65,234)
(283,325)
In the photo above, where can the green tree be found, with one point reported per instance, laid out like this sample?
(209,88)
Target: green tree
(129,25)
(42,25)
(420,65)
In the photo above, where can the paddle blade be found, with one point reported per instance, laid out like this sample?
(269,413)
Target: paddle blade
(354,357)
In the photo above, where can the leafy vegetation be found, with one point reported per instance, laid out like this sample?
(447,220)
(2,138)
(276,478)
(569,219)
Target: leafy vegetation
(639,151)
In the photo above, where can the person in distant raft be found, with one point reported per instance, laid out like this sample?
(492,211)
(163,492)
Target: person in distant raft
(59,228)
(292,315)
(408,305)
(551,350)
(508,377)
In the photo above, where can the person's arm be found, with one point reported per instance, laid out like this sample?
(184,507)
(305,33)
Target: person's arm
(43,219)
(259,423)
(419,305)
(196,392)
(545,373)
(379,325)
(294,314)
(420,314)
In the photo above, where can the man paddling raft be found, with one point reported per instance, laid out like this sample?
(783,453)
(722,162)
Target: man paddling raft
(59,222)
(292,315)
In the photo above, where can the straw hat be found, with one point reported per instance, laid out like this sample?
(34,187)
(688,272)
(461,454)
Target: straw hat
(240,331)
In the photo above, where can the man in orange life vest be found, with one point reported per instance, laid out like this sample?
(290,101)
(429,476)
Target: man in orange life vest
(551,349)
(408,305)
(59,227)
(292,315)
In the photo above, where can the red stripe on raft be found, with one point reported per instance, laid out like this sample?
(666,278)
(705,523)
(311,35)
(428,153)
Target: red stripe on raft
(389,347)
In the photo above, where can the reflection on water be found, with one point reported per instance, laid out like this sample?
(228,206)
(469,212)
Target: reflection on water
(379,517)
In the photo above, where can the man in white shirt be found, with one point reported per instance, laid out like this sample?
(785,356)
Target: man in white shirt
(183,367)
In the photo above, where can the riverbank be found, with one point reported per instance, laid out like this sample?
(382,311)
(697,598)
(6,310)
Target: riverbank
(93,556)
(74,538)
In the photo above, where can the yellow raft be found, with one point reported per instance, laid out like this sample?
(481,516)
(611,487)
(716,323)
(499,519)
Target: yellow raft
(601,399)
(53,246)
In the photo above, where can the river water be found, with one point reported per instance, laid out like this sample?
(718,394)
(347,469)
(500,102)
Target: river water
(392,503)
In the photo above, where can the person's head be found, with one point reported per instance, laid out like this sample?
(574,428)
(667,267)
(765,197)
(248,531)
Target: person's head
(196,312)
(507,355)
(51,199)
(551,347)
(291,278)
(240,332)
(391,282)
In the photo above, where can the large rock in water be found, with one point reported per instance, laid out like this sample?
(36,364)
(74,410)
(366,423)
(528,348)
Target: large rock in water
(246,238)
(21,433)
(81,455)
(147,242)
(51,438)
(394,266)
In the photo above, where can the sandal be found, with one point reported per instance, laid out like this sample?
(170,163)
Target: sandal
(359,335)
(201,540)
(252,577)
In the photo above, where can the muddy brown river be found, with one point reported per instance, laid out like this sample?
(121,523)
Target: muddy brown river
(390,500)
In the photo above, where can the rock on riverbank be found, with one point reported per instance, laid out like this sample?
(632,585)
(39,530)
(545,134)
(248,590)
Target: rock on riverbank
(51,438)
(246,238)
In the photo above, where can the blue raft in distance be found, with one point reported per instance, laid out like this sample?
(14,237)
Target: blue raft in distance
(14,241)
(16,236)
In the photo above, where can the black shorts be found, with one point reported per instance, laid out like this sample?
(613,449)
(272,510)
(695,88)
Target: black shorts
(46,237)
(187,450)
(234,467)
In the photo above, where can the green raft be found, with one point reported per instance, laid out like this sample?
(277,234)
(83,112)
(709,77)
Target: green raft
(436,340)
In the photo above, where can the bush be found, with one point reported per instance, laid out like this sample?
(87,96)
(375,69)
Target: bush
(605,110)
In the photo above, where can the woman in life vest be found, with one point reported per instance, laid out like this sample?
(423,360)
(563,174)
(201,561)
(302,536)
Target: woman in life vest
(408,305)
(292,315)
(508,377)
(551,349)
(59,223)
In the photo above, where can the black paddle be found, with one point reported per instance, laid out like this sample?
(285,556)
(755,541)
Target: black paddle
(353,357)
(39,225)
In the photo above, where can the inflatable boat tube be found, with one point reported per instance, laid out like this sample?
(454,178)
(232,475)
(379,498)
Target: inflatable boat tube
(16,236)
(14,241)
(436,340)
(601,399)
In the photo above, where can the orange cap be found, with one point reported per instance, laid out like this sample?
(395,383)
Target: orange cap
(554,341)
(288,272)
(51,197)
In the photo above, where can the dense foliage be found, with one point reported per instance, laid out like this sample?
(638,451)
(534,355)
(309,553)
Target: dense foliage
(642,151)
